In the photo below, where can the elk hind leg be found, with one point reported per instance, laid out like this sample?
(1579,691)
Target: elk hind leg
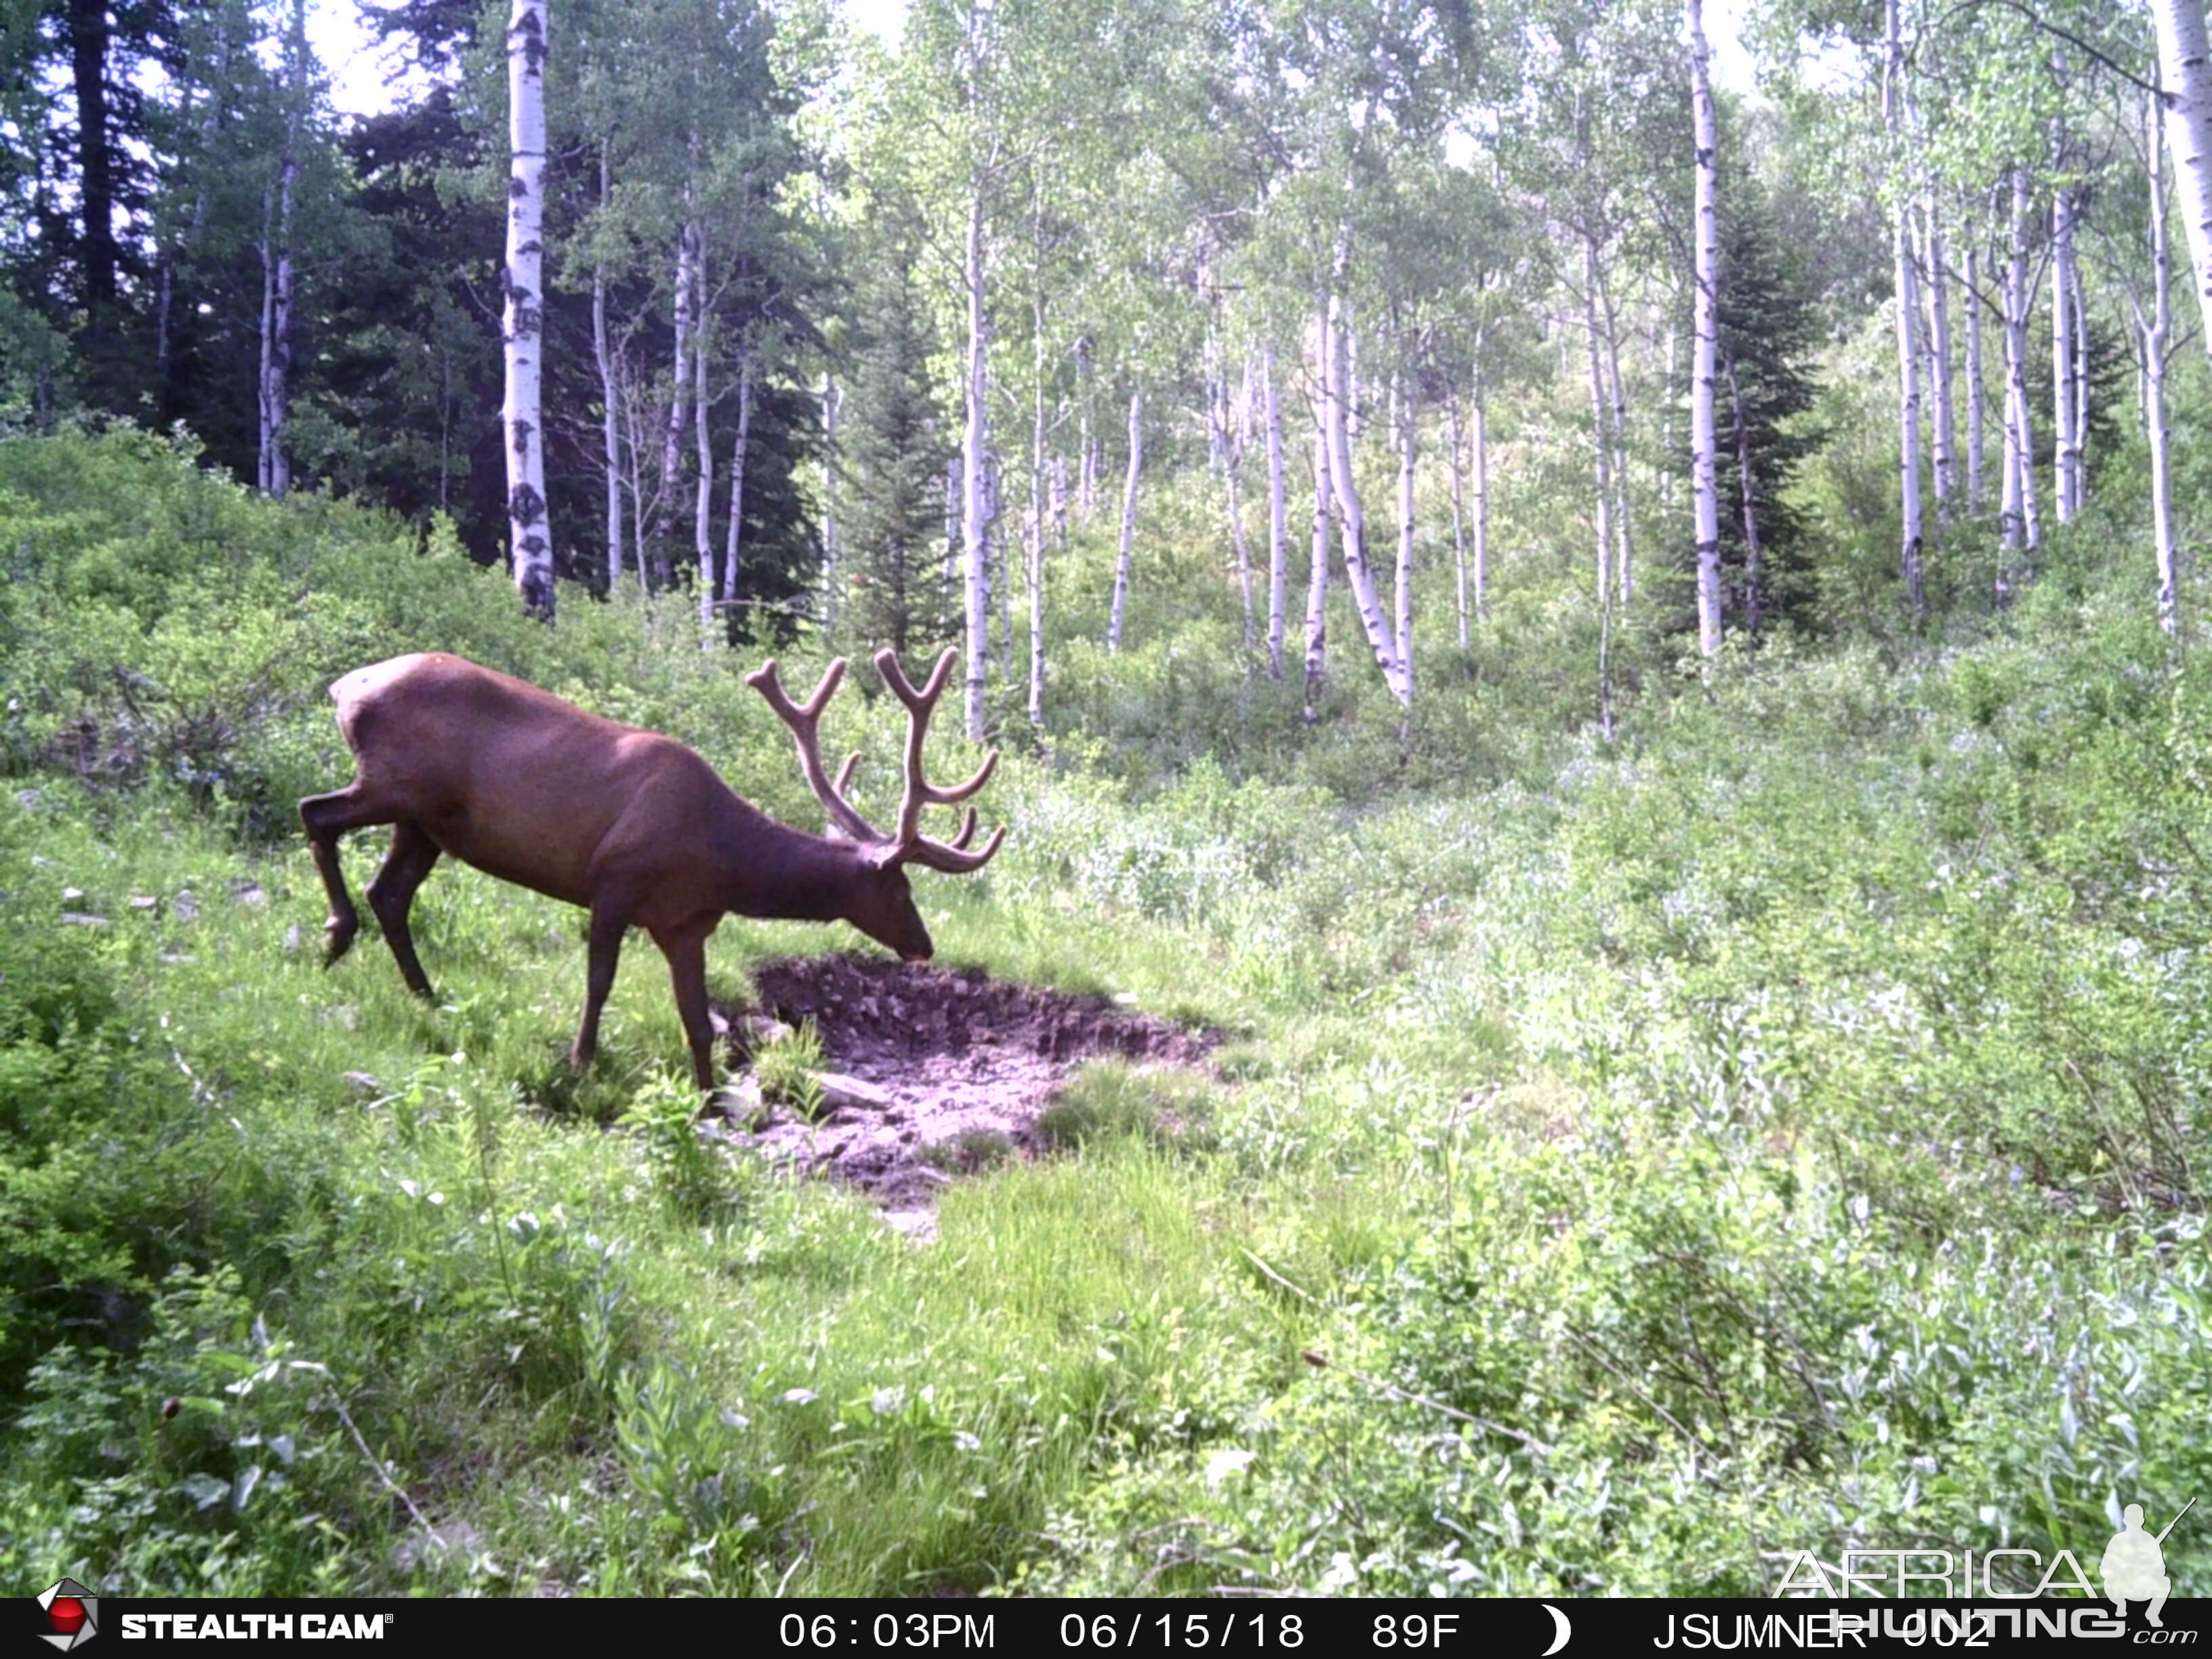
(391,895)
(327,819)
(610,921)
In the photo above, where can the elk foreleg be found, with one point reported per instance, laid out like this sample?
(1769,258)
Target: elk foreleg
(685,948)
(391,895)
(327,819)
(610,921)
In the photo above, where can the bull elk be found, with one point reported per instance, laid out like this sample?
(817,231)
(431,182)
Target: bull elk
(632,825)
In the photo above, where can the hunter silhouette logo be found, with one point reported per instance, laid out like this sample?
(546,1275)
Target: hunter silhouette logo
(72,1615)
(2135,1565)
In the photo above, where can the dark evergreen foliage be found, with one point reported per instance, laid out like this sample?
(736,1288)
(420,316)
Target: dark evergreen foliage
(895,448)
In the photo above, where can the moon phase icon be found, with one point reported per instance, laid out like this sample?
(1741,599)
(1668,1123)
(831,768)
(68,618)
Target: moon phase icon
(1561,1630)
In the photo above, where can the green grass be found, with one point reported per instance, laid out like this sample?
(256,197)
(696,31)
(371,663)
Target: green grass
(1788,1119)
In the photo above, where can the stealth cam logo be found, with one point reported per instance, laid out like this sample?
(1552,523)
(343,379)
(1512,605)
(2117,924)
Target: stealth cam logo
(72,1615)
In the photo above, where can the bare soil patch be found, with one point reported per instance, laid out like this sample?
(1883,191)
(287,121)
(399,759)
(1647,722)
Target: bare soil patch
(955,1068)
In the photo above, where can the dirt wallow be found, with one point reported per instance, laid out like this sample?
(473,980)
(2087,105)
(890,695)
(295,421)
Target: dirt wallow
(927,1072)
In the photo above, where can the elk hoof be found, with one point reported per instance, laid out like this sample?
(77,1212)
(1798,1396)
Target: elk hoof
(340,931)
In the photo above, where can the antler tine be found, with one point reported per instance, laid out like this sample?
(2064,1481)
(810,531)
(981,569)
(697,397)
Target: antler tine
(805,719)
(919,792)
(939,855)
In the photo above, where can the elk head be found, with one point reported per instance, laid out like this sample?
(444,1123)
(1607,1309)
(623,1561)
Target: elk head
(880,899)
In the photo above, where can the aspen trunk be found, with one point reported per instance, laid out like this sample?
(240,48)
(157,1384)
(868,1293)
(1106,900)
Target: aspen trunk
(1623,528)
(1129,519)
(2157,329)
(679,406)
(733,533)
(1407,422)
(972,464)
(830,399)
(1002,562)
(1908,414)
(1038,480)
(1976,440)
(1939,358)
(1908,340)
(1601,448)
(2062,355)
(1275,514)
(1705,492)
(1481,500)
(609,406)
(1352,525)
(1317,574)
(2185,63)
(1232,458)
(1458,508)
(702,492)
(2079,448)
(2020,429)
(265,428)
(523,322)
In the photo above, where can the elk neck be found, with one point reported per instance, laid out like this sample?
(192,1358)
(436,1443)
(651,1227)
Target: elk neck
(772,871)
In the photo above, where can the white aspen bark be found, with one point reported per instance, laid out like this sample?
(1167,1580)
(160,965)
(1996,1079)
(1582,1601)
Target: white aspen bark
(2017,415)
(2079,448)
(1452,435)
(2061,356)
(1086,460)
(265,430)
(1002,562)
(1216,395)
(1977,439)
(1623,528)
(1939,357)
(973,461)
(1908,318)
(1275,514)
(280,355)
(1351,524)
(741,452)
(1316,662)
(279,347)
(1408,421)
(1129,519)
(636,446)
(609,404)
(679,405)
(1908,412)
(2156,330)
(831,397)
(2185,64)
(1038,482)
(1232,459)
(702,492)
(522,325)
(1482,500)
(994,562)
(1601,445)
(1704,491)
